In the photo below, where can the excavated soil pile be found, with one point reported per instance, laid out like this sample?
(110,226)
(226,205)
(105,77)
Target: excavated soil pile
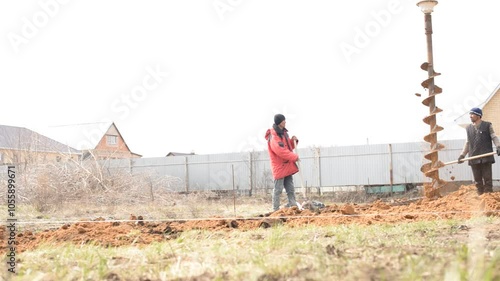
(462,204)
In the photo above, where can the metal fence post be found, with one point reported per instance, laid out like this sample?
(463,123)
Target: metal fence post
(391,173)
(317,160)
(186,172)
(250,172)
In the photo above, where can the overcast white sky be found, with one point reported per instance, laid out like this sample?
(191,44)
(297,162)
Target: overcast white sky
(208,76)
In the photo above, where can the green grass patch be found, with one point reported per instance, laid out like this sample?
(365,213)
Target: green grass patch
(432,250)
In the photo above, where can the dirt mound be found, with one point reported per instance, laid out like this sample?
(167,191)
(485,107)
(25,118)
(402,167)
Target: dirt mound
(462,204)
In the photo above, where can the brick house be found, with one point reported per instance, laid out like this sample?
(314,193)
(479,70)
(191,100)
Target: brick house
(491,111)
(100,140)
(21,145)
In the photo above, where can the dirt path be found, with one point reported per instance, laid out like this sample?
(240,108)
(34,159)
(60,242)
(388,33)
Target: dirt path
(462,204)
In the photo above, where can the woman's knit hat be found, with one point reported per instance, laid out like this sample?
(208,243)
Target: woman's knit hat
(278,118)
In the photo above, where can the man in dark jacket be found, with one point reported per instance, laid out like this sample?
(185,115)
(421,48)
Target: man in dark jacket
(283,166)
(480,134)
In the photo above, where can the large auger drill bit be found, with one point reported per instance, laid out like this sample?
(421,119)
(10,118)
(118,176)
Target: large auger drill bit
(431,169)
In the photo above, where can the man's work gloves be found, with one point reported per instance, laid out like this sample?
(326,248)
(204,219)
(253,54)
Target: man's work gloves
(462,157)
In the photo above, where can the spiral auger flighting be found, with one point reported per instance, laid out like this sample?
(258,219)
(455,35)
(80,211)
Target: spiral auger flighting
(431,169)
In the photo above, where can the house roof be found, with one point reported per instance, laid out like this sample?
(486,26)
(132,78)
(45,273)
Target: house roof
(19,138)
(135,154)
(85,136)
(463,120)
(178,154)
(492,94)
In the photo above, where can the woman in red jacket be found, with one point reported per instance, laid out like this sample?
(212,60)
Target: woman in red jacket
(280,147)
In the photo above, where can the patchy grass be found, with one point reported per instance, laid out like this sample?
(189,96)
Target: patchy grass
(430,250)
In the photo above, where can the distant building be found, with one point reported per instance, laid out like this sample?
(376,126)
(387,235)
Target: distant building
(491,111)
(21,145)
(100,140)
(178,154)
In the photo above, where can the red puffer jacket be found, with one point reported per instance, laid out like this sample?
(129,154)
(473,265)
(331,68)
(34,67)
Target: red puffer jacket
(281,153)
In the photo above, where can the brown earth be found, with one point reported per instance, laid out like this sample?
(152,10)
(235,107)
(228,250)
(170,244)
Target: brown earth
(462,204)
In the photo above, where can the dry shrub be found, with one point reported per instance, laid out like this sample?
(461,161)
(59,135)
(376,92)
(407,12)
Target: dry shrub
(45,198)
(199,203)
(351,196)
(48,186)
